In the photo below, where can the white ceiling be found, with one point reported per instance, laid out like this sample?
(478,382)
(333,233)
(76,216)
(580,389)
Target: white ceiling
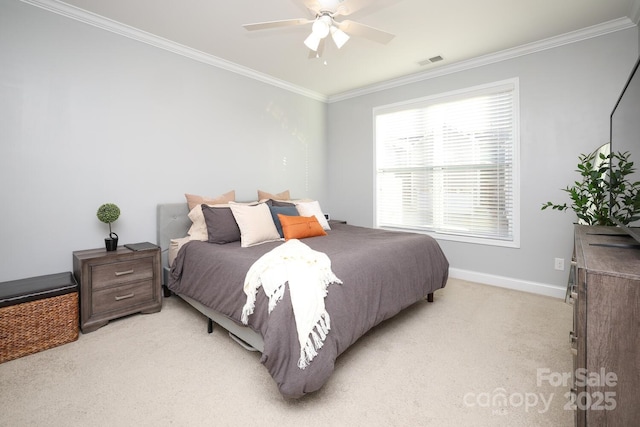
(457,30)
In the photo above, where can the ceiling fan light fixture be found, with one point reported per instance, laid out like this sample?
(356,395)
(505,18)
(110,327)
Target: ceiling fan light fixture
(312,42)
(324,24)
(321,26)
(339,37)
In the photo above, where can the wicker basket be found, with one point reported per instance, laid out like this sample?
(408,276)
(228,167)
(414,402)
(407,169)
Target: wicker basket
(38,325)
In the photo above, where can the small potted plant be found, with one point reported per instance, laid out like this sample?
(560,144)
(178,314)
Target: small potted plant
(109,213)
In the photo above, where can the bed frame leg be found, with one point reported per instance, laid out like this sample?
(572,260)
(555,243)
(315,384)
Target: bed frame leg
(430,297)
(209,326)
(165,291)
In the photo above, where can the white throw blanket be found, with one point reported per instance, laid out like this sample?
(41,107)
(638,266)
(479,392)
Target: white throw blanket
(309,275)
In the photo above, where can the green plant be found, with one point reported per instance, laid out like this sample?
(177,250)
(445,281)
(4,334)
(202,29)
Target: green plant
(108,213)
(591,197)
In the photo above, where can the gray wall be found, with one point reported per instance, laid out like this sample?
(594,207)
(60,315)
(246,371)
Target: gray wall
(566,95)
(88,117)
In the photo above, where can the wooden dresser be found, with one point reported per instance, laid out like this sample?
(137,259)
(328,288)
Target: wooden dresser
(116,283)
(604,289)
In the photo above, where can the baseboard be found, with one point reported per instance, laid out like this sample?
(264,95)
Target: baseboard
(508,282)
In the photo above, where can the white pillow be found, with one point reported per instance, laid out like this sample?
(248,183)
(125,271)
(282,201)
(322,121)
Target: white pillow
(174,247)
(313,208)
(255,223)
(198,230)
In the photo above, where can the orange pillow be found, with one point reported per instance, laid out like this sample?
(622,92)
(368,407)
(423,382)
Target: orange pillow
(299,227)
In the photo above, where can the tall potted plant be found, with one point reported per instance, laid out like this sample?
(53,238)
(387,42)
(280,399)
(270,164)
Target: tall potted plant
(109,213)
(592,196)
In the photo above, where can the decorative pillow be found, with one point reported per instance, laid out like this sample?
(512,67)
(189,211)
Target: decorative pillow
(255,223)
(221,225)
(262,195)
(194,200)
(198,230)
(284,210)
(174,247)
(313,208)
(280,203)
(300,227)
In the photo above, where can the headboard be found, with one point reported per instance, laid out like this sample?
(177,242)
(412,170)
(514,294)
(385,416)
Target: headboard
(172,222)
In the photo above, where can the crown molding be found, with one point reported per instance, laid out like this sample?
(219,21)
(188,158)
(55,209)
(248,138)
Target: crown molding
(527,49)
(634,11)
(98,21)
(101,22)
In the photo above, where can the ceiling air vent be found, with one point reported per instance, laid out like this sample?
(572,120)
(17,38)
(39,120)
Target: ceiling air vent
(431,60)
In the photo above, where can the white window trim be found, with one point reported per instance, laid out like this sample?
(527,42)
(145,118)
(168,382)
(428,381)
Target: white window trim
(404,105)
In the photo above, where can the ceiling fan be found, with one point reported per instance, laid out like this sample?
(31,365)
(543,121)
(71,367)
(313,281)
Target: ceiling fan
(324,23)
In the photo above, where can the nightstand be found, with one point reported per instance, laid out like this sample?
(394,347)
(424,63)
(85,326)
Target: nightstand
(114,284)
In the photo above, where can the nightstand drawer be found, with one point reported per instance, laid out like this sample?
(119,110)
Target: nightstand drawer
(123,297)
(106,275)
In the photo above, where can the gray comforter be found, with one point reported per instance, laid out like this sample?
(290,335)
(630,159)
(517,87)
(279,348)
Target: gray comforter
(383,272)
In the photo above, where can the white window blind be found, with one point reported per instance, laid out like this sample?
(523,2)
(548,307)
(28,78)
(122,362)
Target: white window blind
(448,165)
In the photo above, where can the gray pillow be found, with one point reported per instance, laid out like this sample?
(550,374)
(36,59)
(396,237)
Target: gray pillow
(272,202)
(283,210)
(221,225)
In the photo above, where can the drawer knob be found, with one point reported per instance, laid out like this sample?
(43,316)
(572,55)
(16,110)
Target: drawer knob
(121,297)
(573,338)
(122,273)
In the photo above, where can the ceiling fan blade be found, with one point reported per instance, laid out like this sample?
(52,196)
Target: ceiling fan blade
(336,7)
(356,29)
(347,7)
(313,5)
(277,24)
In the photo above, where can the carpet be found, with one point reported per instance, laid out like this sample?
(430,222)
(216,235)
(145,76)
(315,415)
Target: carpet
(476,356)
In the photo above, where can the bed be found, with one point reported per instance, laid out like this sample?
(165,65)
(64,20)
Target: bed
(382,273)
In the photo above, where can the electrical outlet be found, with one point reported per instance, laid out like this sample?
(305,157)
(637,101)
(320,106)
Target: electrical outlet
(559,264)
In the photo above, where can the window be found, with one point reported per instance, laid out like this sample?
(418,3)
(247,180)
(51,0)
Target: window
(448,165)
